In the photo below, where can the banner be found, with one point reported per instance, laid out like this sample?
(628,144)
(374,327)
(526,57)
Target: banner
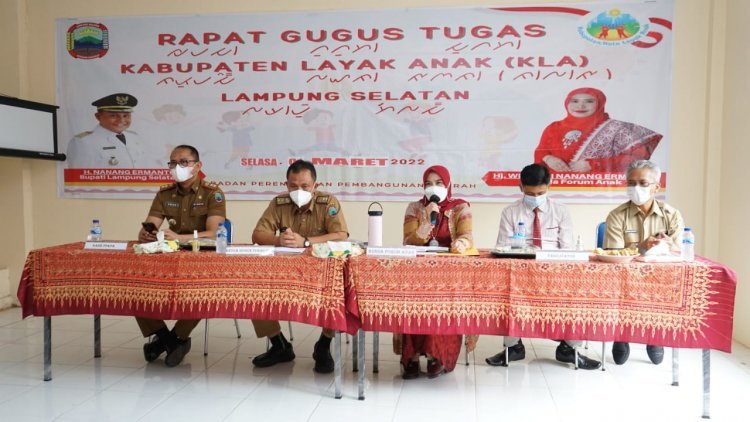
(371,97)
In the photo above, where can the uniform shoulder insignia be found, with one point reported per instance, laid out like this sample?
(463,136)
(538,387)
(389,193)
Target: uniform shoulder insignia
(210,185)
(167,187)
(283,200)
(84,134)
(322,199)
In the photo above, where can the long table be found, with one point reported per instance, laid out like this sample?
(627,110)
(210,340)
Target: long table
(679,305)
(69,279)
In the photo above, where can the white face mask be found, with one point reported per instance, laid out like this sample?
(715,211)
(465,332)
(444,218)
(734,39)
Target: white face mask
(535,201)
(181,174)
(440,191)
(300,197)
(639,195)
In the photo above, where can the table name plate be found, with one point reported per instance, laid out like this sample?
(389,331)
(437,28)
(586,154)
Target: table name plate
(106,246)
(557,255)
(250,250)
(392,252)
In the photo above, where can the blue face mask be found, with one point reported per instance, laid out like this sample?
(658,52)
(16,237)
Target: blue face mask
(535,201)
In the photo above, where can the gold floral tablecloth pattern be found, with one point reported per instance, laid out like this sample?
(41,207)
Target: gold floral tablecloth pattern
(671,304)
(67,279)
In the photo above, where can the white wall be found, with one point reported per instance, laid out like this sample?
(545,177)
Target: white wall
(705,165)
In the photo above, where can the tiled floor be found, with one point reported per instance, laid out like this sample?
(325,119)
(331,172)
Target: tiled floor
(223,386)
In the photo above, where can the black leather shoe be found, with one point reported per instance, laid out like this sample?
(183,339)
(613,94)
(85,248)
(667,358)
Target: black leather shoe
(411,370)
(655,353)
(566,354)
(153,349)
(516,352)
(323,360)
(276,354)
(176,355)
(620,352)
(435,368)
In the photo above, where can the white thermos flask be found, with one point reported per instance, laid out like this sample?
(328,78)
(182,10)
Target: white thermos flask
(375,225)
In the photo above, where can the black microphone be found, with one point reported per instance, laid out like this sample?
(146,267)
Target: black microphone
(433,215)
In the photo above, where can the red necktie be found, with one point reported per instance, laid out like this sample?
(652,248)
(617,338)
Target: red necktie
(537,234)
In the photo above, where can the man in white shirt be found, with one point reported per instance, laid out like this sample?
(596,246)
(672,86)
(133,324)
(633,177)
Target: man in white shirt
(111,144)
(551,227)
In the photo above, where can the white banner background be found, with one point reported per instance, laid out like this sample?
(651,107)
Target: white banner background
(509,70)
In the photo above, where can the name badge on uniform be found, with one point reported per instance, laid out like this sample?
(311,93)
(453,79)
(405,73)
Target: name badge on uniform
(198,204)
(172,204)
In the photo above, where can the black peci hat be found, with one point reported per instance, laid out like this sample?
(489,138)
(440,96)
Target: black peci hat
(122,103)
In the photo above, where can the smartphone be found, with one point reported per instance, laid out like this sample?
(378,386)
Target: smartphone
(149,227)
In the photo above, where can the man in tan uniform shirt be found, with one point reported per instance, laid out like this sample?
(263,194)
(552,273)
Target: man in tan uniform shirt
(302,216)
(188,204)
(642,222)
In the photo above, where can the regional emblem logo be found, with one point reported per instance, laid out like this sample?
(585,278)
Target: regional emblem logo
(87,40)
(614,27)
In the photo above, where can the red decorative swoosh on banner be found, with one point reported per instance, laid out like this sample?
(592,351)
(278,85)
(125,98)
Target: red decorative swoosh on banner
(663,22)
(579,12)
(657,36)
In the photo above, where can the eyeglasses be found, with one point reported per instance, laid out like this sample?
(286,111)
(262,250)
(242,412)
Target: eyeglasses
(183,163)
(641,183)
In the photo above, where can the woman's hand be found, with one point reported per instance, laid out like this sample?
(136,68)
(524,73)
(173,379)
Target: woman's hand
(555,163)
(430,208)
(459,246)
(580,165)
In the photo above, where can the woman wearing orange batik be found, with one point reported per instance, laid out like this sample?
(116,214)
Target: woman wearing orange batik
(451,228)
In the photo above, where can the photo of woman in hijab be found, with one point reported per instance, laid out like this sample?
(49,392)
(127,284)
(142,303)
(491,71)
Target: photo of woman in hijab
(588,140)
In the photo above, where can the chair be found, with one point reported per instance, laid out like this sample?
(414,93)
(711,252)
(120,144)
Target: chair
(601,228)
(230,239)
(228,226)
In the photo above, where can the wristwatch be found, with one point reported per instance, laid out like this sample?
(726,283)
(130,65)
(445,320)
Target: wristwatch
(306,243)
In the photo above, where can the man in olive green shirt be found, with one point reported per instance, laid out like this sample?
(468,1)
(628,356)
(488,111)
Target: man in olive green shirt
(301,217)
(188,204)
(642,222)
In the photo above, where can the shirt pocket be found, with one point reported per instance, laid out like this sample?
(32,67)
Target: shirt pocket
(550,233)
(199,211)
(171,208)
(631,237)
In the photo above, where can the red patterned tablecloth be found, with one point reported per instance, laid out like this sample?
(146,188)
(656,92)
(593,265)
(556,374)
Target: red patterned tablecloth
(67,279)
(688,305)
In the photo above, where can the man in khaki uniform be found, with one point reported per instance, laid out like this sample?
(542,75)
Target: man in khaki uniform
(302,216)
(642,222)
(188,204)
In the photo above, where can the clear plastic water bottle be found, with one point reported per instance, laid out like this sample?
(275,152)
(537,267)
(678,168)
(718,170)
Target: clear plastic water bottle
(221,239)
(688,245)
(95,232)
(519,237)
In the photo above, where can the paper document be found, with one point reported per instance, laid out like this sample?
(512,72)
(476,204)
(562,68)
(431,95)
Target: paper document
(286,250)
